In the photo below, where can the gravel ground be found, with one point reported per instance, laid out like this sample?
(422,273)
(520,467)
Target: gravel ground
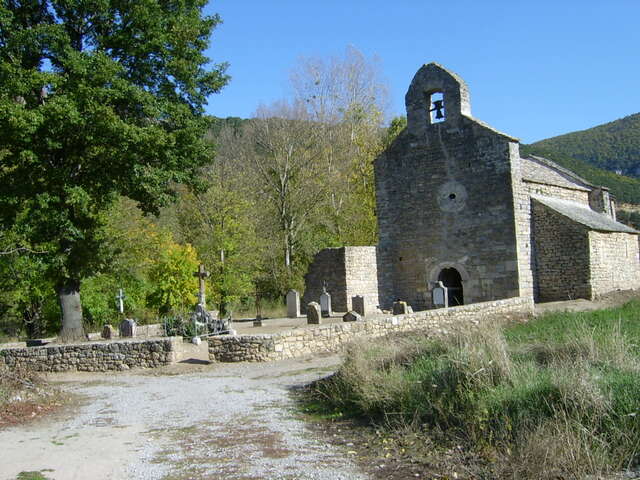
(221,421)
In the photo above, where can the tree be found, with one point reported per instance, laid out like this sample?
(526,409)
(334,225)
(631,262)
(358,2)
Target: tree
(284,157)
(220,222)
(97,99)
(346,98)
(173,280)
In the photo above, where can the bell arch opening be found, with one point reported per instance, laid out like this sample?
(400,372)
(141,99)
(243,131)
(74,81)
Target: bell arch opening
(451,278)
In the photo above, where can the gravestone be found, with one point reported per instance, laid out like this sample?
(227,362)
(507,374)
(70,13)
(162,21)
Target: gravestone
(400,308)
(357,303)
(351,316)
(108,332)
(440,295)
(314,316)
(293,304)
(325,304)
(128,328)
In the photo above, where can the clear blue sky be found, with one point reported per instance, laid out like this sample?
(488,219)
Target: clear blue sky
(535,68)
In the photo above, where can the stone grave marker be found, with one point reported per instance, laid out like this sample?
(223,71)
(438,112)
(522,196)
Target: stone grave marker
(108,332)
(314,316)
(128,328)
(325,304)
(351,316)
(293,304)
(440,295)
(400,308)
(357,303)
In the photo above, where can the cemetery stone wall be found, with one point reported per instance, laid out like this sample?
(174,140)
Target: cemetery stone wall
(94,356)
(334,337)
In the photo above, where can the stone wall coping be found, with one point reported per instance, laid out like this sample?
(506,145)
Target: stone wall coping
(92,343)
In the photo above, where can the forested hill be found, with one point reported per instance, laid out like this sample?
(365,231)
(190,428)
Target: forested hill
(625,189)
(614,146)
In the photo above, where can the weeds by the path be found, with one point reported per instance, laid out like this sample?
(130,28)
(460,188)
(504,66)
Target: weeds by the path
(24,395)
(556,397)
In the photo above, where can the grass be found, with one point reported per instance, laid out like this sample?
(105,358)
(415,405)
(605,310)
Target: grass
(557,396)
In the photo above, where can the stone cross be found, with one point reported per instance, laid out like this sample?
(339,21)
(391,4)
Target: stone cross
(120,301)
(201,274)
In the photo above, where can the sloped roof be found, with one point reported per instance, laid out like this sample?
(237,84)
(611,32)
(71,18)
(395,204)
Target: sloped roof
(582,214)
(568,174)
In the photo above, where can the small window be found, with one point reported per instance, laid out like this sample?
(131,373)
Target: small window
(436,108)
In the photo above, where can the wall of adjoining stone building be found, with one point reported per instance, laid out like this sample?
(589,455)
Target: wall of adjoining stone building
(334,337)
(614,262)
(445,200)
(348,271)
(94,356)
(531,177)
(561,267)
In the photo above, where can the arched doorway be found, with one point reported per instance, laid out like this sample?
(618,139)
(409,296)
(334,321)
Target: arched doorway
(451,279)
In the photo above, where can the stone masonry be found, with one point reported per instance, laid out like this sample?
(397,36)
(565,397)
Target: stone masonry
(94,356)
(455,203)
(334,337)
(445,200)
(347,271)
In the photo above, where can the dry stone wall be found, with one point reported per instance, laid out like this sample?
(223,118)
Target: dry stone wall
(94,356)
(334,337)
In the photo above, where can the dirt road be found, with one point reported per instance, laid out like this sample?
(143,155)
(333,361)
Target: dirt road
(221,421)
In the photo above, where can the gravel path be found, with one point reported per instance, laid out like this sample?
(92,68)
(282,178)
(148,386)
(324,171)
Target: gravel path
(221,421)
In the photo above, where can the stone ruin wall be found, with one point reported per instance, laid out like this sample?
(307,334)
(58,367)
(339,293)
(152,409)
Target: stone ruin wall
(94,356)
(562,256)
(327,266)
(361,276)
(615,264)
(334,337)
(348,271)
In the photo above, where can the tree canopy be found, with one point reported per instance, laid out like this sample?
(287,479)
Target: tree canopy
(96,99)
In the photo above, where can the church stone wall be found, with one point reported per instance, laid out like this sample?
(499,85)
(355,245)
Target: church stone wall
(445,200)
(561,270)
(614,262)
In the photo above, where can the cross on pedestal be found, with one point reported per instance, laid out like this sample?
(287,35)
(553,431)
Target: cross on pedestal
(201,274)
(120,301)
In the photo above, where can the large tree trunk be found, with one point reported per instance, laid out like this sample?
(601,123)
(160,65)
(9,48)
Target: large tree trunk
(69,296)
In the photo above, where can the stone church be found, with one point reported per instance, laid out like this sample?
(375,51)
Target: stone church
(457,203)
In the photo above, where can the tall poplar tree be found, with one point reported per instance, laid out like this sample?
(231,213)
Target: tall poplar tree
(97,98)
